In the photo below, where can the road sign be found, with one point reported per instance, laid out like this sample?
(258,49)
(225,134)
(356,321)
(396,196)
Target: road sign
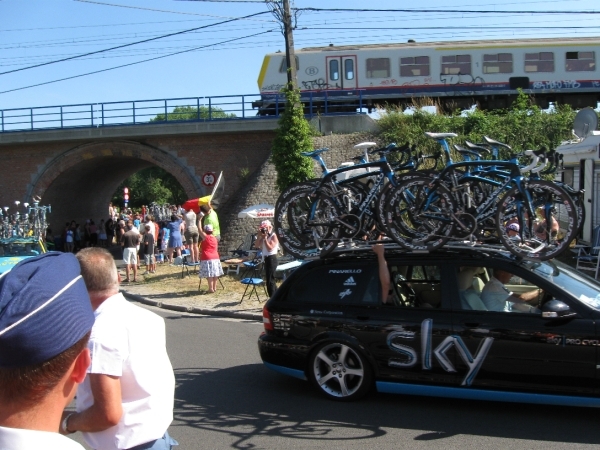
(209,179)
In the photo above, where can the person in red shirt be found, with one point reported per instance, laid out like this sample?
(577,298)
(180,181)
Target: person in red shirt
(210,264)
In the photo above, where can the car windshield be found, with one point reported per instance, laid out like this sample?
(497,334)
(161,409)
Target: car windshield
(584,288)
(20,247)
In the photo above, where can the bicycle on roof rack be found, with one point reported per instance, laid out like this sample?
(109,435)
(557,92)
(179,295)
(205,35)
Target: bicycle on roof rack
(423,214)
(316,215)
(470,203)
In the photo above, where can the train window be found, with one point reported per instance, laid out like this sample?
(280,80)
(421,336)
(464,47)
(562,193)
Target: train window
(539,62)
(349,69)
(456,64)
(334,69)
(283,67)
(498,63)
(581,62)
(378,67)
(414,66)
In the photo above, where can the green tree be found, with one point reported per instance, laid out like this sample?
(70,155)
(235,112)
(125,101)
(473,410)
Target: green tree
(150,185)
(192,113)
(293,137)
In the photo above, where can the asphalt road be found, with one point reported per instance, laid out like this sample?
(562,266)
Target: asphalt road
(225,398)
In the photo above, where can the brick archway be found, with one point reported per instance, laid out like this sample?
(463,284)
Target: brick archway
(79,182)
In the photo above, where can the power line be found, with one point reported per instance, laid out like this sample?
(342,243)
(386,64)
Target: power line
(453,28)
(225,1)
(130,44)
(139,7)
(463,11)
(133,63)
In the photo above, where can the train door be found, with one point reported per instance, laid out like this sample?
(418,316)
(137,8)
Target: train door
(341,72)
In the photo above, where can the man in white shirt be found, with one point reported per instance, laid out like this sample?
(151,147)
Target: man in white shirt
(496,297)
(126,400)
(45,323)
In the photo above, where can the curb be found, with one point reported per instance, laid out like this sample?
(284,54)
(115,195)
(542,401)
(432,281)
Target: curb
(193,309)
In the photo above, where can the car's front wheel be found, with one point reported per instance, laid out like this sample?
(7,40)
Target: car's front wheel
(340,372)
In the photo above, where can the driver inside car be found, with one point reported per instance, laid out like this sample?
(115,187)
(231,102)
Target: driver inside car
(496,297)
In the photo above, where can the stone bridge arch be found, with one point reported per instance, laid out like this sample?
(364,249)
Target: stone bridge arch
(79,183)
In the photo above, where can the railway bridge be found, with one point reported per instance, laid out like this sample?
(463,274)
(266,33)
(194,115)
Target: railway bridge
(77,170)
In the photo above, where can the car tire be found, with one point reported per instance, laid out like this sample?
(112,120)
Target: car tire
(340,372)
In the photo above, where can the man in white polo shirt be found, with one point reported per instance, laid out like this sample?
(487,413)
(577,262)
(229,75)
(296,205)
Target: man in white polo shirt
(126,401)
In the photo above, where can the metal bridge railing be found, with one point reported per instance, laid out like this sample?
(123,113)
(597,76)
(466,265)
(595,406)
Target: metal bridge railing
(140,112)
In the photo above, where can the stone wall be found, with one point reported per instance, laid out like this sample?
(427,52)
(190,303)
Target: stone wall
(261,187)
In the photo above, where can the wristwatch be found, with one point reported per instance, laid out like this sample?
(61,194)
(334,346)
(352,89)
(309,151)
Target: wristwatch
(65,424)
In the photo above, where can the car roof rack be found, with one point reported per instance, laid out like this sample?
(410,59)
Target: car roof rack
(363,248)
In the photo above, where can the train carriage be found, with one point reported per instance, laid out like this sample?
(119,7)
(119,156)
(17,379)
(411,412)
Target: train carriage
(455,74)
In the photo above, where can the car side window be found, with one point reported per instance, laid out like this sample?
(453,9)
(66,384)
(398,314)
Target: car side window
(417,286)
(341,284)
(498,290)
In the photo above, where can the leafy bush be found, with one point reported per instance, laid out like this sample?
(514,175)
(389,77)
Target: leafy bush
(180,113)
(293,137)
(523,126)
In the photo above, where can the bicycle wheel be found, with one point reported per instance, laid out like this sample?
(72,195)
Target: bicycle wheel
(419,217)
(296,235)
(383,197)
(302,185)
(545,234)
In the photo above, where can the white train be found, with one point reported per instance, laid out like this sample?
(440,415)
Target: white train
(457,74)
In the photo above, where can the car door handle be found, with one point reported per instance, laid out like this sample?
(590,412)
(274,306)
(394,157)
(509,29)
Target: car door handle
(363,317)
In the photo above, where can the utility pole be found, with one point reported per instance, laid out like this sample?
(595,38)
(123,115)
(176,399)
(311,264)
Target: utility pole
(290,55)
(281,10)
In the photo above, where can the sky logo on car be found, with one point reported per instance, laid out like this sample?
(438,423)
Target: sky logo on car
(409,356)
(350,282)
(345,293)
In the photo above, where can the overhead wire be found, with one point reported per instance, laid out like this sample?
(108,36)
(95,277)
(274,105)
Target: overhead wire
(129,64)
(463,11)
(128,45)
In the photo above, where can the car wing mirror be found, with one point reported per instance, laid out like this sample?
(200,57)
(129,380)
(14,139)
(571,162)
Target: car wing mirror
(556,309)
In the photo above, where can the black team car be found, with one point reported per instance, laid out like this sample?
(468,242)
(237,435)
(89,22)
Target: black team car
(450,328)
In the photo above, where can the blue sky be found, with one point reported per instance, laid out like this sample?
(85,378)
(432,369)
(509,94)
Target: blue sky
(39,31)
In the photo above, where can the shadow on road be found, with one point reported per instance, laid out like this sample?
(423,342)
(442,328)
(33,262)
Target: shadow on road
(250,401)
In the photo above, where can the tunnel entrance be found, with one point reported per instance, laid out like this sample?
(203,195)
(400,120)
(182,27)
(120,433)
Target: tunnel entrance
(80,183)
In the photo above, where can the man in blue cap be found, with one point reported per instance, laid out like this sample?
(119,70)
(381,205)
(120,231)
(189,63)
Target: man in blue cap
(45,323)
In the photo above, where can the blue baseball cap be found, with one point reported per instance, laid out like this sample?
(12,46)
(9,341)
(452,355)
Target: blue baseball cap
(44,309)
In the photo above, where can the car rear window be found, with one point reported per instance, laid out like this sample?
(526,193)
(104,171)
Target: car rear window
(341,284)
